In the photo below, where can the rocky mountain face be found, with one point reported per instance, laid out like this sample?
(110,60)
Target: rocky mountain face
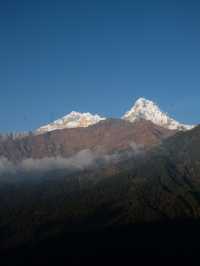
(106,137)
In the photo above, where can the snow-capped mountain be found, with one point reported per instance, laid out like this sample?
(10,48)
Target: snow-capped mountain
(148,110)
(142,109)
(72,120)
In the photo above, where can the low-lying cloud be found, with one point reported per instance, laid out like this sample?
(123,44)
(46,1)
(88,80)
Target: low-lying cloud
(80,161)
(137,148)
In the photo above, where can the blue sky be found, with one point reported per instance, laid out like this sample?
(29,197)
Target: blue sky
(97,56)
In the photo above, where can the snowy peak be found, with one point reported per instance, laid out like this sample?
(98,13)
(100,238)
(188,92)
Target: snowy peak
(148,110)
(72,120)
(142,109)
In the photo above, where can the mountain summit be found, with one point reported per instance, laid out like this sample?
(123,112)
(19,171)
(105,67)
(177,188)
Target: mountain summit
(148,110)
(142,109)
(72,120)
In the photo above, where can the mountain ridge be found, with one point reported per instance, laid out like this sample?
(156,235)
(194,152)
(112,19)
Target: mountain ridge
(107,136)
(142,109)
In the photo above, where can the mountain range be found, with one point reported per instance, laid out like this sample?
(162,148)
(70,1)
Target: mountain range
(84,174)
(145,125)
(142,109)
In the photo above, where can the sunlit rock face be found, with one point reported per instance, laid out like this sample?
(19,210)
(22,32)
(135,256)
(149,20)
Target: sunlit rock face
(106,137)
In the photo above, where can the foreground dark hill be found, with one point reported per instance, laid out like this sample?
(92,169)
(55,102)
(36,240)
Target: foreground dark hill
(105,137)
(169,185)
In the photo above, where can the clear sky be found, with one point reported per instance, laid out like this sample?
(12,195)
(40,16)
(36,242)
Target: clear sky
(97,56)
